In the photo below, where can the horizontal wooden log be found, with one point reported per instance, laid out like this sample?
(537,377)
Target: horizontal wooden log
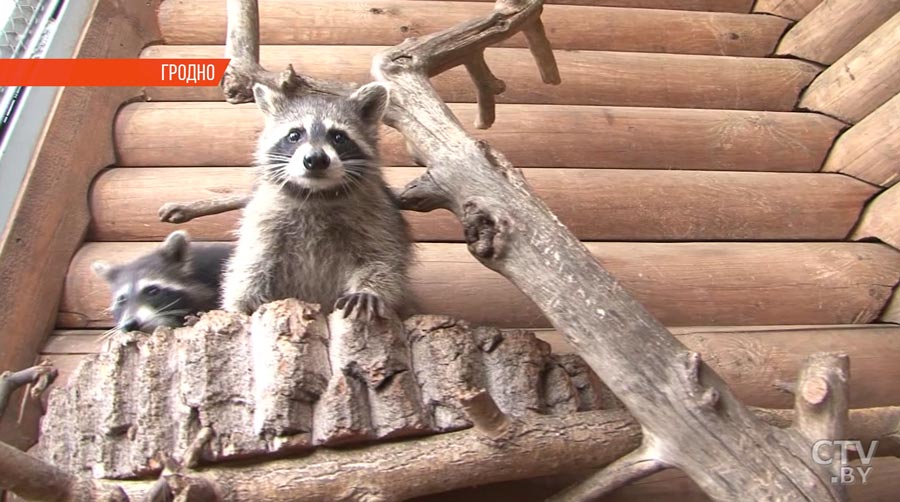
(892,311)
(882,485)
(860,81)
(219,134)
(596,204)
(388,22)
(701,5)
(881,219)
(835,27)
(870,150)
(681,284)
(625,79)
(791,9)
(752,361)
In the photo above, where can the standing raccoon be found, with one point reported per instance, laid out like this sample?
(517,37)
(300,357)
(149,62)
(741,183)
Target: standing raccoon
(322,225)
(162,287)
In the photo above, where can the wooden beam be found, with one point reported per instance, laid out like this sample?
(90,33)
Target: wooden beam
(892,311)
(701,5)
(860,81)
(388,22)
(870,150)
(835,27)
(882,486)
(753,361)
(682,284)
(881,219)
(596,204)
(51,215)
(625,78)
(791,9)
(191,134)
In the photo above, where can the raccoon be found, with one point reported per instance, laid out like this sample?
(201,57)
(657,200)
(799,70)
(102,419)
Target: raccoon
(162,287)
(321,225)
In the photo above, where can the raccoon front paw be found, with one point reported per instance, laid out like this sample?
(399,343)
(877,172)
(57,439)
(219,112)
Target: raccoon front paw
(364,306)
(173,212)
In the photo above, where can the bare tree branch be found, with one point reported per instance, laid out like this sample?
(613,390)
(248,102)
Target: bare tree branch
(39,377)
(632,467)
(486,87)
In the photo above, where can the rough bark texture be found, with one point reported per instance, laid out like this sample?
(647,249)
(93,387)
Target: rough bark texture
(287,380)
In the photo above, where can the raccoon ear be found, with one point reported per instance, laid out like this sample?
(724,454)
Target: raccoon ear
(371,100)
(176,246)
(270,101)
(104,270)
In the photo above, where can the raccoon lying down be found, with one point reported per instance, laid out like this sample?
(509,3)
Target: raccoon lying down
(177,279)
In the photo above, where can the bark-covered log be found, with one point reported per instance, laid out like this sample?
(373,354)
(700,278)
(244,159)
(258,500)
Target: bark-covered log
(286,380)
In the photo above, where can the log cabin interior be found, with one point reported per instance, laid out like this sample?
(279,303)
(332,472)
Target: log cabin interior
(731,162)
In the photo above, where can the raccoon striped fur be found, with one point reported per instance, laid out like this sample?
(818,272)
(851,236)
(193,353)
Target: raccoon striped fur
(322,225)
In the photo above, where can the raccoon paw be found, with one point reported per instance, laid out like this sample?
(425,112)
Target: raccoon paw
(364,306)
(172,212)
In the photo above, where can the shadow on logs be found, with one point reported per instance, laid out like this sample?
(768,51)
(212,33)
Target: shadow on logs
(289,379)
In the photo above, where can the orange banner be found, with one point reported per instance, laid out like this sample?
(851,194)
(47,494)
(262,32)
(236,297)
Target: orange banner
(111,72)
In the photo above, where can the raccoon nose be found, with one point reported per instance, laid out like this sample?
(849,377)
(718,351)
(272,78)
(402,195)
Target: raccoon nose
(130,325)
(316,161)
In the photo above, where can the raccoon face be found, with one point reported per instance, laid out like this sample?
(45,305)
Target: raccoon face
(319,143)
(153,290)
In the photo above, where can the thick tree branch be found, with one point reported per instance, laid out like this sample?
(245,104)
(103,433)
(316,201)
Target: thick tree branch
(821,402)
(539,447)
(632,467)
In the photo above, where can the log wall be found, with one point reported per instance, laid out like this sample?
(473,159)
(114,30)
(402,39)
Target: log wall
(835,27)
(790,9)
(870,150)
(862,79)
(688,284)
(388,22)
(177,134)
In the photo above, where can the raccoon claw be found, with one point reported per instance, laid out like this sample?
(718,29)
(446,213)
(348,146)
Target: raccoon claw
(172,212)
(362,306)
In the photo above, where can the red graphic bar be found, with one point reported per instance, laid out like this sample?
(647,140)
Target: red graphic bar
(112,72)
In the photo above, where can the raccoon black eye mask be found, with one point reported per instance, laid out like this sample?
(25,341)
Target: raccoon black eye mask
(322,225)
(160,288)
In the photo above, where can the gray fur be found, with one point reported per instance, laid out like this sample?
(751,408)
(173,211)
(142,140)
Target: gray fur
(332,236)
(162,287)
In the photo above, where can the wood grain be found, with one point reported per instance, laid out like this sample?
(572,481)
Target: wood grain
(681,284)
(701,5)
(596,204)
(835,27)
(860,81)
(51,215)
(892,311)
(195,134)
(881,219)
(882,485)
(870,150)
(388,22)
(589,77)
(751,361)
(791,9)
